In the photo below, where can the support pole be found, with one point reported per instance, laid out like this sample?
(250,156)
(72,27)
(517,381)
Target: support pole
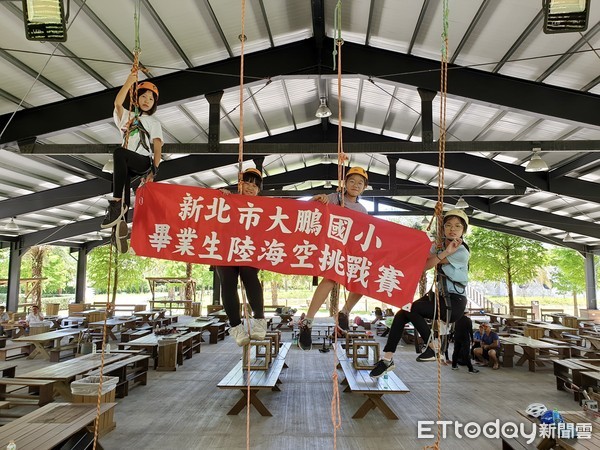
(14,277)
(81,278)
(590,281)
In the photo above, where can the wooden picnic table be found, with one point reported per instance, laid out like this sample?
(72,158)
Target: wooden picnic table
(576,418)
(14,330)
(51,425)
(145,316)
(66,372)
(41,341)
(196,325)
(554,330)
(535,352)
(508,320)
(114,326)
(150,344)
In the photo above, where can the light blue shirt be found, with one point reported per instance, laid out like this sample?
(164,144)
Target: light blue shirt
(457,269)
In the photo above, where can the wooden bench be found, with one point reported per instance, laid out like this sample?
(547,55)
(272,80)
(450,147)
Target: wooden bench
(34,391)
(56,352)
(132,370)
(8,370)
(217,331)
(190,344)
(358,381)
(518,443)
(56,425)
(15,350)
(239,378)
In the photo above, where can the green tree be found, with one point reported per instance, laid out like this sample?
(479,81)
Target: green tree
(496,256)
(60,270)
(132,270)
(568,274)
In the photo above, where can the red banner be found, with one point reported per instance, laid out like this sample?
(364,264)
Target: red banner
(367,255)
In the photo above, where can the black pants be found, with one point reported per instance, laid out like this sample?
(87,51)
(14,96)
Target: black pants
(461,353)
(127,164)
(423,309)
(228,275)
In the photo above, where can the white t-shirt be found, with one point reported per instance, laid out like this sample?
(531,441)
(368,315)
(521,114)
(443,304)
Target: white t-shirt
(35,318)
(150,123)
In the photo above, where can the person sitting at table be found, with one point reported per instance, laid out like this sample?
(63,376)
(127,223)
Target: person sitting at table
(35,317)
(490,347)
(4,317)
(477,340)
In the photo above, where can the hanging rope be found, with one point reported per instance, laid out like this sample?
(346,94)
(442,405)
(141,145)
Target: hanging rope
(246,312)
(336,416)
(439,208)
(132,105)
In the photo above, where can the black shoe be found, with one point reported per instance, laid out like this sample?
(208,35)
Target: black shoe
(474,371)
(121,235)
(343,321)
(305,338)
(116,209)
(427,355)
(381,368)
(454,367)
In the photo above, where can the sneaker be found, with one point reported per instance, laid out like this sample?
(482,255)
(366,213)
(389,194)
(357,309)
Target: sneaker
(121,235)
(239,334)
(305,338)
(427,355)
(116,209)
(474,371)
(381,368)
(259,329)
(454,367)
(343,321)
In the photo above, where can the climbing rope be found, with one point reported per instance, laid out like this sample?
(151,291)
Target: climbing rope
(336,416)
(439,208)
(246,312)
(108,307)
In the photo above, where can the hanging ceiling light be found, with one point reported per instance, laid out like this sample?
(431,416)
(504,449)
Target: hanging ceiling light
(568,238)
(109,166)
(323,110)
(11,225)
(425,221)
(96,236)
(328,185)
(536,163)
(461,204)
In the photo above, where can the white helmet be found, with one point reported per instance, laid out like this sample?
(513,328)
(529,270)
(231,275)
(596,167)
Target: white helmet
(536,410)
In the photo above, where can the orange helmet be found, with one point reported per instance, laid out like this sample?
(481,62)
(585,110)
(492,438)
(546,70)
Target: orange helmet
(150,86)
(254,171)
(358,171)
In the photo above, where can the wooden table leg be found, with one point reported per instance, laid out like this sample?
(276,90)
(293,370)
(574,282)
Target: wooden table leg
(254,400)
(375,401)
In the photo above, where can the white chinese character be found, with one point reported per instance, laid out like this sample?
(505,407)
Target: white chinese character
(339,228)
(332,260)
(244,248)
(190,207)
(309,222)
(566,430)
(388,280)
(211,244)
(367,242)
(303,252)
(185,236)
(278,221)
(218,208)
(273,252)
(583,430)
(249,216)
(160,239)
(358,269)
(547,430)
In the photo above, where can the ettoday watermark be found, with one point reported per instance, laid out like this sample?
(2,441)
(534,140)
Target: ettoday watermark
(497,430)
